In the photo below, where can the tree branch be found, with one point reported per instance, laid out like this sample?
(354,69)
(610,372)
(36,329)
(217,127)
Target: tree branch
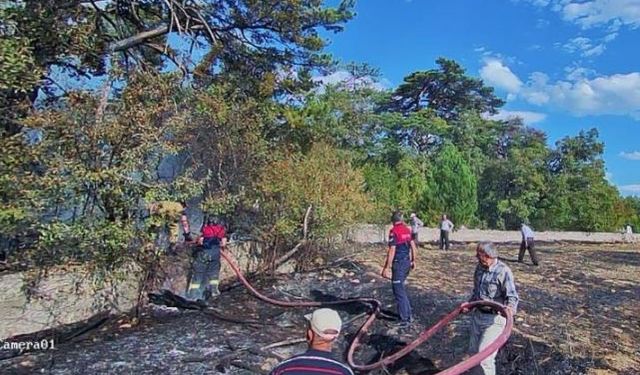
(139,38)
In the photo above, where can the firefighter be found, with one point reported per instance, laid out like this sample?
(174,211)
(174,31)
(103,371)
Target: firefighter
(400,260)
(206,264)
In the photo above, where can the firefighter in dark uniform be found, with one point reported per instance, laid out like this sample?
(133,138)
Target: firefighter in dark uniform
(399,262)
(206,264)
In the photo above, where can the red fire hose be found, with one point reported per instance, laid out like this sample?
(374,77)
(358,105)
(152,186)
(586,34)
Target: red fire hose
(375,304)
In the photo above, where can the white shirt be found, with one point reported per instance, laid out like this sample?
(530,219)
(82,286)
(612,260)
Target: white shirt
(415,224)
(526,231)
(446,225)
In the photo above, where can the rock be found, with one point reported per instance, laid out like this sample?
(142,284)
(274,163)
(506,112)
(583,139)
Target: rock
(27,363)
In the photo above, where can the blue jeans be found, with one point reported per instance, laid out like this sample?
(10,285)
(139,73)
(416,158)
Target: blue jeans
(399,271)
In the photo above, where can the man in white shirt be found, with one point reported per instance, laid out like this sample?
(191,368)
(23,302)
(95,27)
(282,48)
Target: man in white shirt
(446,226)
(527,244)
(416,223)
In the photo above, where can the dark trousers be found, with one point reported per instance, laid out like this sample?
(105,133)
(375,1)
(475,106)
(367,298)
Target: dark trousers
(205,273)
(528,245)
(399,272)
(414,237)
(444,239)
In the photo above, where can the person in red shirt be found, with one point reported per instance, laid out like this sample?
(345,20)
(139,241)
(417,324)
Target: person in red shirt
(401,259)
(206,266)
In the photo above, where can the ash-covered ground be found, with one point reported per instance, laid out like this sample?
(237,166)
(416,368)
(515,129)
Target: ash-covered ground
(578,315)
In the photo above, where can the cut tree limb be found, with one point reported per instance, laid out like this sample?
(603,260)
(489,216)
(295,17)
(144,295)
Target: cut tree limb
(141,38)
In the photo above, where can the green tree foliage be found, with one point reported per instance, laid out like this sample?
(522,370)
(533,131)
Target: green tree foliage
(454,187)
(515,181)
(629,212)
(448,91)
(324,179)
(580,197)
(216,100)
(403,186)
(96,165)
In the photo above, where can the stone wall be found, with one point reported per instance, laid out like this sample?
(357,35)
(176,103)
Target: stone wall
(66,295)
(378,234)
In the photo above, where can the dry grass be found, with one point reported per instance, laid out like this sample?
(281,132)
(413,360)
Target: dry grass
(578,315)
(578,311)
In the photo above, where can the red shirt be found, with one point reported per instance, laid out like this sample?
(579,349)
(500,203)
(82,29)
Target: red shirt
(400,237)
(213,231)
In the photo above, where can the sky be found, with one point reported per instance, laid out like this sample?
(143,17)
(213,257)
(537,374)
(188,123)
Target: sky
(562,65)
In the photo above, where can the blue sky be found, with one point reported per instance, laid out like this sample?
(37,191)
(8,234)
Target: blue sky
(563,65)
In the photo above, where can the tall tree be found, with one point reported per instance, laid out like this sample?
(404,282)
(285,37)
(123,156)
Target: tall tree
(447,90)
(455,186)
(513,183)
(249,41)
(581,198)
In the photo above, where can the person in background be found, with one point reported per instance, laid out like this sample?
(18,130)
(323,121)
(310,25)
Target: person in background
(170,215)
(400,260)
(416,223)
(446,226)
(492,281)
(322,332)
(527,244)
(206,264)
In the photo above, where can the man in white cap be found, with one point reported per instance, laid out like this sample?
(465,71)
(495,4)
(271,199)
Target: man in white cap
(416,223)
(322,332)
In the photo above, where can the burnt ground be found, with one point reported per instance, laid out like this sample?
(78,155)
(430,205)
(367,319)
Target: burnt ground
(578,315)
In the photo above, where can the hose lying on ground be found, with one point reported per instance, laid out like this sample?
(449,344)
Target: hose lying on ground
(459,368)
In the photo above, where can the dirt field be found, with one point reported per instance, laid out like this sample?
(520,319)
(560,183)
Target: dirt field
(578,315)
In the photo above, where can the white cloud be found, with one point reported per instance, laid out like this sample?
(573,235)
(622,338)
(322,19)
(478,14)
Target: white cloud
(344,77)
(595,13)
(617,94)
(541,23)
(584,46)
(602,12)
(534,93)
(496,74)
(633,189)
(576,73)
(582,92)
(539,3)
(634,155)
(608,176)
(526,116)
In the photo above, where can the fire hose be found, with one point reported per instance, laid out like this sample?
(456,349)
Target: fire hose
(457,369)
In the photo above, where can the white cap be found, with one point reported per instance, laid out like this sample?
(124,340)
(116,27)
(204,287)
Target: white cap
(326,323)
